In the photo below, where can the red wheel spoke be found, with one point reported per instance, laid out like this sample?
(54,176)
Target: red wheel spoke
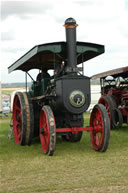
(17,119)
(97,140)
(19,135)
(17,108)
(45,136)
(98,129)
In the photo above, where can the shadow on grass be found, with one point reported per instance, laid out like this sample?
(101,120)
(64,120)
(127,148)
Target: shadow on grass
(8,148)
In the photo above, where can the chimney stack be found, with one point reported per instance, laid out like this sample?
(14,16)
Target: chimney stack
(70,27)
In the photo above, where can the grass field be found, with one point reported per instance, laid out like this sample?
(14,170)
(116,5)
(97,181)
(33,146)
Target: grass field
(74,168)
(8,91)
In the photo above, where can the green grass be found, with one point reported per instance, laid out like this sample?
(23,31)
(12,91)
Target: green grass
(75,167)
(8,91)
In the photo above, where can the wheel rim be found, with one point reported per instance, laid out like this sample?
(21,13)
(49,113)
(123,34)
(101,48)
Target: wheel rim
(44,135)
(97,134)
(105,103)
(17,120)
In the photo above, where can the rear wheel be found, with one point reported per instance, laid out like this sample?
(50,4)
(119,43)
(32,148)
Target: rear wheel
(101,128)
(47,131)
(117,118)
(22,118)
(114,105)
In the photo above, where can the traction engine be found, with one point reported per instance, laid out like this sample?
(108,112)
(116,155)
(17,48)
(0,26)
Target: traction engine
(114,91)
(54,105)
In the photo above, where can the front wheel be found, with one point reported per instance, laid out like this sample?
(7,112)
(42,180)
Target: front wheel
(47,130)
(100,133)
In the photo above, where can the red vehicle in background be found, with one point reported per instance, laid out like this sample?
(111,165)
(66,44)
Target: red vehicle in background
(114,95)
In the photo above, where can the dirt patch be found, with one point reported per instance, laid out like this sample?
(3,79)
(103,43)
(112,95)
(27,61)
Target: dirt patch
(11,89)
(4,121)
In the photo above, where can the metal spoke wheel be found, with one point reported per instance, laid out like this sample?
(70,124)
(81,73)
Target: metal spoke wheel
(47,130)
(101,128)
(105,100)
(22,118)
(73,137)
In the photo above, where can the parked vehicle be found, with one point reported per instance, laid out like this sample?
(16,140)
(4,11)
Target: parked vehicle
(114,90)
(54,105)
(6,107)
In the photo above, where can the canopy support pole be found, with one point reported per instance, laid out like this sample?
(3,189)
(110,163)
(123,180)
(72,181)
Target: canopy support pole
(26,81)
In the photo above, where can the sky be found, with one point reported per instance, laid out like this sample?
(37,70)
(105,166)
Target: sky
(25,24)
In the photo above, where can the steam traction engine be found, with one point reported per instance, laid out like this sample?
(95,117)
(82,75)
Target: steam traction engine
(114,90)
(54,105)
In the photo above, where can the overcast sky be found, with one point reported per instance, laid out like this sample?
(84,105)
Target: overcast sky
(25,24)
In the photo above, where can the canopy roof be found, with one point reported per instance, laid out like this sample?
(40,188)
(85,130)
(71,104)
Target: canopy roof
(119,72)
(47,55)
